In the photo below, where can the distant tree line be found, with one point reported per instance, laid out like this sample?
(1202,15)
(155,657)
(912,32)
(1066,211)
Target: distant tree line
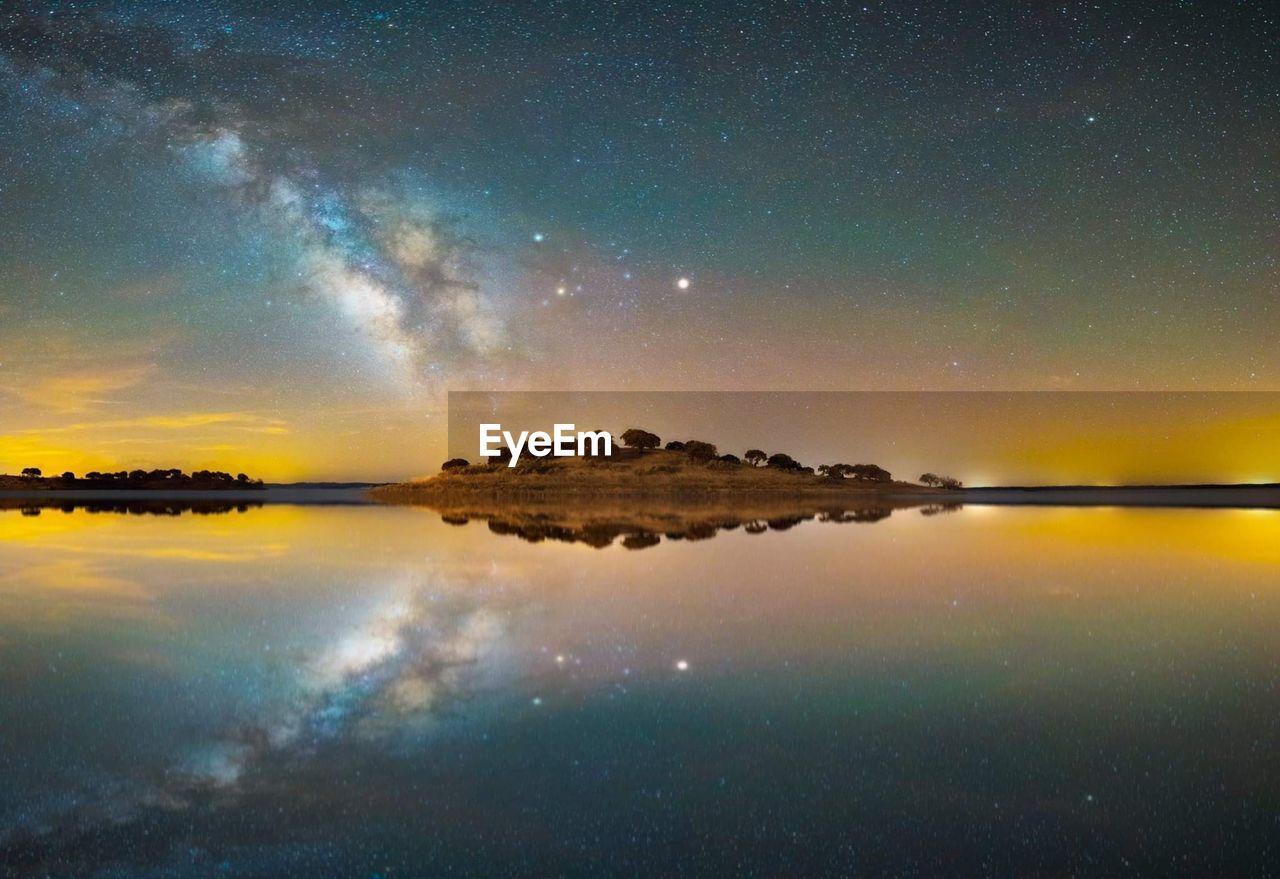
(697,450)
(937,481)
(173,476)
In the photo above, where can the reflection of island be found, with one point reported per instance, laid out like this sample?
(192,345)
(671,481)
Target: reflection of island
(642,523)
(33,506)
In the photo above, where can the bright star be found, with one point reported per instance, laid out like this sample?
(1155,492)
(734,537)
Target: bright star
(682,665)
(538,237)
(683,283)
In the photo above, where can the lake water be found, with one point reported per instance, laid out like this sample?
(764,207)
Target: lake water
(370,691)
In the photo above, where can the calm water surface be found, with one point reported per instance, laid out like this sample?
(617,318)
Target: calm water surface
(309,691)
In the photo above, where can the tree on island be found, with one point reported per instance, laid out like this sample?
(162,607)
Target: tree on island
(835,471)
(697,450)
(782,461)
(68,475)
(455,464)
(636,438)
(870,473)
(754,457)
(730,459)
(934,480)
(674,446)
(31,472)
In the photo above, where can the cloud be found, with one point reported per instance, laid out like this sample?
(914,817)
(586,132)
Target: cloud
(245,421)
(79,390)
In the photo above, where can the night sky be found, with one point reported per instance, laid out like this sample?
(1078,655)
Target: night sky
(270,239)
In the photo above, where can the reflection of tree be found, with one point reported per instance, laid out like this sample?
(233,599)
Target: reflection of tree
(135,507)
(935,509)
(641,527)
(641,541)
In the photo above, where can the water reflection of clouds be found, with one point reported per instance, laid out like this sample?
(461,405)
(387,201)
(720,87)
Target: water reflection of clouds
(63,590)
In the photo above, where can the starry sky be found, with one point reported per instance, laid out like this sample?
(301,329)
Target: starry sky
(270,238)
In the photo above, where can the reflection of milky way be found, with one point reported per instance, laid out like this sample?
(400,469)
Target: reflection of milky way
(383,684)
(412,659)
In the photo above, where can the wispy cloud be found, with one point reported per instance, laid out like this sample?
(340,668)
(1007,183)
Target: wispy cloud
(249,422)
(80,390)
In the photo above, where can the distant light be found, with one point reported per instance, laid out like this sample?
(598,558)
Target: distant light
(560,291)
(539,237)
(683,283)
(682,665)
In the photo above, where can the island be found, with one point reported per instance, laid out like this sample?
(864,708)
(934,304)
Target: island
(682,469)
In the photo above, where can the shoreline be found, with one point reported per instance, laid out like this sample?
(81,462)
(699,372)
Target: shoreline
(1242,496)
(1266,496)
(300,496)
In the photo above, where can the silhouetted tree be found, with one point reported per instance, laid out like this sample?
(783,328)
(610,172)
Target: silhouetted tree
(949,483)
(635,438)
(697,450)
(502,458)
(93,474)
(930,479)
(455,464)
(835,471)
(782,461)
(870,473)
(68,475)
(31,472)
(731,459)
(674,446)
(754,457)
